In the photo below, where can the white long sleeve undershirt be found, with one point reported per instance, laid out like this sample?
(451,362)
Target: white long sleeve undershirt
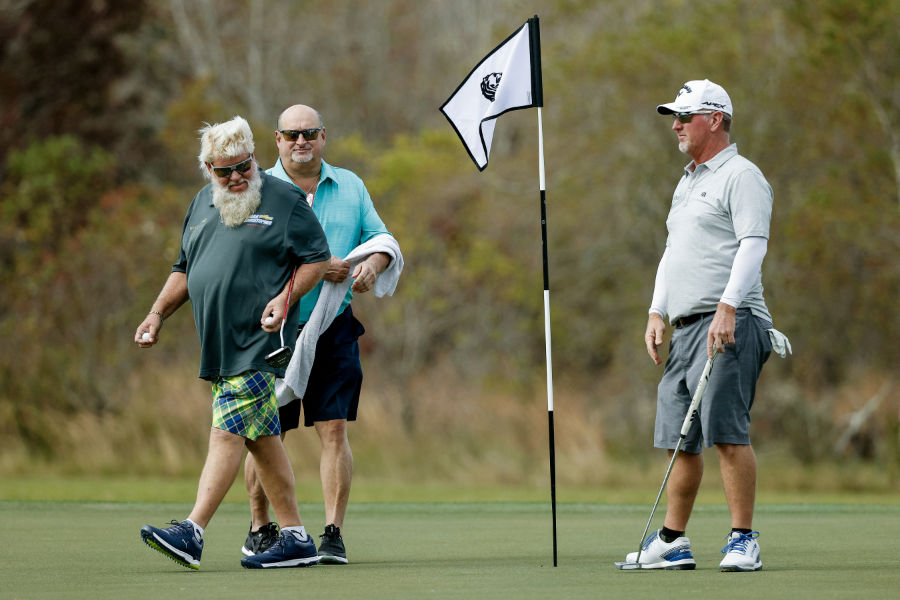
(747,262)
(660,293)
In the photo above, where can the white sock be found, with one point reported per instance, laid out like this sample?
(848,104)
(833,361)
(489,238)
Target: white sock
(299,532)
(197,529)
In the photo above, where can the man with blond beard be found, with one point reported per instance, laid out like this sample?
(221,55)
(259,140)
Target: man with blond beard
(244,236)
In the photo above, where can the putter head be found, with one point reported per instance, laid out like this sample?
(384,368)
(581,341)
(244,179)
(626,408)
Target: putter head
(628,566)
(279,358)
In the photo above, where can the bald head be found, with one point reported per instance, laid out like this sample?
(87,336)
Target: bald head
(299,113)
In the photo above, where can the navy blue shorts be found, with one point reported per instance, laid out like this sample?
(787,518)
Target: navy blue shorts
(335,380)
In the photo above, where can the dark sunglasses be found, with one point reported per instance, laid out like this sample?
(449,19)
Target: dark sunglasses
(685,117)
(241,167)
(292,135)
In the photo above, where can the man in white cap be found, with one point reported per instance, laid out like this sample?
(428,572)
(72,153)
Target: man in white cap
(709,285)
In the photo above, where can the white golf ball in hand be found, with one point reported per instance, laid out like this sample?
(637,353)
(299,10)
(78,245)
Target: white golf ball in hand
(145,337)
(269,320)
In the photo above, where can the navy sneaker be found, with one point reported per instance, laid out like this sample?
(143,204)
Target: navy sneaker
(287,551)
(260,540)
(331,547)
(179,542)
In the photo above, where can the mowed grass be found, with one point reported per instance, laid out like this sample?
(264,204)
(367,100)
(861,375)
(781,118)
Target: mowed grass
(399,550)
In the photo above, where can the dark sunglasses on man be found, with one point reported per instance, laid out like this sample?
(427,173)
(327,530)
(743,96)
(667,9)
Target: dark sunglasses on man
(241,167)
(292,135)
(685,117)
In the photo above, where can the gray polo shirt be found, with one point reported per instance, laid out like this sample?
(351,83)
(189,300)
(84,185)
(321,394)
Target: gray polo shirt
(232,273)
(722,201)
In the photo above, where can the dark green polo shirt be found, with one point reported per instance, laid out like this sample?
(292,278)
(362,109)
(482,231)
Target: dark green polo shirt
(233,273)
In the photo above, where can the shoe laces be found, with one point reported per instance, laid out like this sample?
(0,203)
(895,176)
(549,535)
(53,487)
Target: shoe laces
(181,526)
(650,539)
(278,544)
(331,533)
(186,529)
(267,530)
(739,544)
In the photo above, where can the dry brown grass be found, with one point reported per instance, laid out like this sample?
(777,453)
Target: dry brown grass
(439,428)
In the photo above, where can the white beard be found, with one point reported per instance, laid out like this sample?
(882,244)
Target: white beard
(234,208)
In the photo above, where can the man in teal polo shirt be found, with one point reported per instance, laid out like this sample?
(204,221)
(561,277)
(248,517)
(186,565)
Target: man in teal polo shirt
(342,204)
(244,236)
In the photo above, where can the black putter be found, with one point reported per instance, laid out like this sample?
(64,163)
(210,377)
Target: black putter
(281,357)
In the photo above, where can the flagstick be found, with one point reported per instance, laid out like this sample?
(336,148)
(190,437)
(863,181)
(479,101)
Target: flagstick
(547,327)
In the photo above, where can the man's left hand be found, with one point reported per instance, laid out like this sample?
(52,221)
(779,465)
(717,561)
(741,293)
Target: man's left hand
(367,271)
(364,276)
(721,330)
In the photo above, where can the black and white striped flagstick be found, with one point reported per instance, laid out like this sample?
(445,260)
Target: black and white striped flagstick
(547,331)
(537,89)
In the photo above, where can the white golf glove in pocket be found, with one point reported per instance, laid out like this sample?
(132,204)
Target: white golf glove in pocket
(781,345)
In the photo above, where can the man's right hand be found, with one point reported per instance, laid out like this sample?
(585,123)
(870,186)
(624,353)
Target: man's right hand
(338,269)
(653,337)
(150,327)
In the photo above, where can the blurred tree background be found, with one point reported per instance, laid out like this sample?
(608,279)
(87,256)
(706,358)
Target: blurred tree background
(100,103)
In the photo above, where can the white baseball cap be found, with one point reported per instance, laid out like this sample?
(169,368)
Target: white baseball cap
(698,95)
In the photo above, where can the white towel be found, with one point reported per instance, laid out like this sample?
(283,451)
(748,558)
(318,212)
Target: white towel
(331,297)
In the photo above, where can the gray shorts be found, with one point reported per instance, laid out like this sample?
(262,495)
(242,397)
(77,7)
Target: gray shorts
(726,403)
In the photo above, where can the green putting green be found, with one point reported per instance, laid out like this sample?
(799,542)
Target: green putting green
(59,549)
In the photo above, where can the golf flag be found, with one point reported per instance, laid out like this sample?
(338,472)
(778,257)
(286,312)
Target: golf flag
(509,78)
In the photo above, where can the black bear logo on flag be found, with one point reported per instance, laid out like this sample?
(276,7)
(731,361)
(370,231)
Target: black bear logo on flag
(489,85)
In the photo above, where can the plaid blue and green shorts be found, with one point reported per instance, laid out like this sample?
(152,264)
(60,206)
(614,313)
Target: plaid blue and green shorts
(245,405)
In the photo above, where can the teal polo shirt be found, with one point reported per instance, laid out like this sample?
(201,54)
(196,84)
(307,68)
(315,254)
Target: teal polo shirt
(232,273)
(344,208)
